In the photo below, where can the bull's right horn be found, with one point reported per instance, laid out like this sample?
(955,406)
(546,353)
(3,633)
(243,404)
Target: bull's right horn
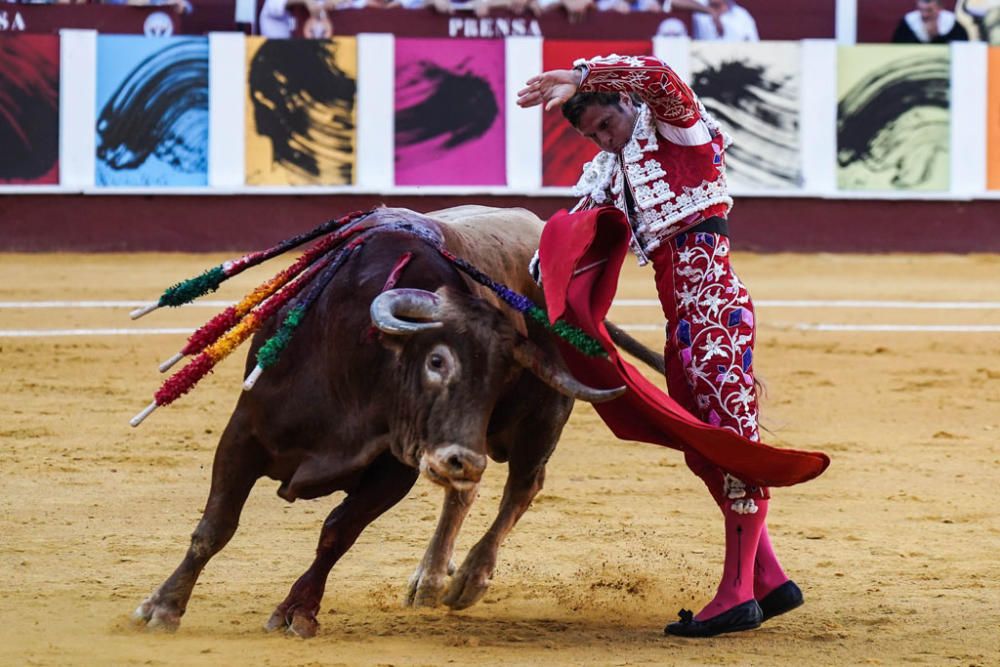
(531,357)
(390,307)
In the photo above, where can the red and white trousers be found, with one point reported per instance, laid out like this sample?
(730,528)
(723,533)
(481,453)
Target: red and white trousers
(709,346)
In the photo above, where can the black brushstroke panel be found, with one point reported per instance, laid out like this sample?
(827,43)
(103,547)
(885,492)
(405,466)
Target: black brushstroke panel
(303,102)
(753,103)
(161,109)
(29,108)
(885,115)
(456,105)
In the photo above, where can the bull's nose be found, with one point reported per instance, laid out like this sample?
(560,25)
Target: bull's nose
(455,463)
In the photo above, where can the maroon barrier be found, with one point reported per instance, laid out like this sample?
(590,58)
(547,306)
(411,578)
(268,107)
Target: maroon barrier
(199,223)
(103,18)
(790,19)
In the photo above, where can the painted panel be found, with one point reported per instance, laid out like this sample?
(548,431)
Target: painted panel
(752,90)
(29,109)
(893,118)
(152,111)
(449,112)
(993,120)
(300,111)
(564,151)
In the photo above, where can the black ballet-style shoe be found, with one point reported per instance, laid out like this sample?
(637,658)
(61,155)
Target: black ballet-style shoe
(785,597)
(745,616)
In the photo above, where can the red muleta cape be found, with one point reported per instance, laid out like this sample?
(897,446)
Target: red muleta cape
(581,257)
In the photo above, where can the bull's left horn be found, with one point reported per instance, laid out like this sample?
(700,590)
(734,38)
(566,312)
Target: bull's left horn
(389,307)
(528,355)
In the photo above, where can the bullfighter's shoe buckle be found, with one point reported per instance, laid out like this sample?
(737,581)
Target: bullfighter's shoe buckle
(745,616)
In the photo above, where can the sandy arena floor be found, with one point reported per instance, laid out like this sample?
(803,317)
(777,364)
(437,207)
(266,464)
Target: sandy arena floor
(896,546)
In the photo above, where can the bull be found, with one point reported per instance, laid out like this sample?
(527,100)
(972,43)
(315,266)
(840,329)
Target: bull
(447,378)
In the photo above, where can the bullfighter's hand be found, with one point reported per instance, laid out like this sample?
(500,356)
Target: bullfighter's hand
(552,88)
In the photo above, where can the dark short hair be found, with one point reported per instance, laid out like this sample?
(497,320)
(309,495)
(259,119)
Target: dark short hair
(574,107)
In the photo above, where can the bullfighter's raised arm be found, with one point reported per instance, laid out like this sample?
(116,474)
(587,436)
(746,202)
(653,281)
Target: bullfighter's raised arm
(669,99)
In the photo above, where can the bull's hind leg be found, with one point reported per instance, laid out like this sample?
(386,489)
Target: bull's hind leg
(384,483)
(533,444)
(238,464)
(428,582)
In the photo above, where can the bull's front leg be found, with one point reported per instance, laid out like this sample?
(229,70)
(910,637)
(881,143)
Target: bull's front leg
(384,483)
(238,465)
(469,584)
(428,581)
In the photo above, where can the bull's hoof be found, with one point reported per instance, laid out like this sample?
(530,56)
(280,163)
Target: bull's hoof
(303,625)
(468,586)
(299,623)
(153,614)
(424,589)
(277,621)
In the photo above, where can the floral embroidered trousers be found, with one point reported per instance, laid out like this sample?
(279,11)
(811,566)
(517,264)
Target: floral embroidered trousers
(709,347)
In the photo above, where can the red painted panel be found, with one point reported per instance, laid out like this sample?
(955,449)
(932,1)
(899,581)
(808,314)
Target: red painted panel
(29,109)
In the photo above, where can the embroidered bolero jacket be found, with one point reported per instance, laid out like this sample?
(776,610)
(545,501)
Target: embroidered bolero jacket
(674,163)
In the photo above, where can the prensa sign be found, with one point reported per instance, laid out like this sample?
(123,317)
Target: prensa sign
(12,21)
(489,27)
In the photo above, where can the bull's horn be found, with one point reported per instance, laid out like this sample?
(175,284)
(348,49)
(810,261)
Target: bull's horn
(390,307)
(531,357)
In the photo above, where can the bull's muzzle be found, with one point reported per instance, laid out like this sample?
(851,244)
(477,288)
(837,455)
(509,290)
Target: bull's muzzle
(453,466)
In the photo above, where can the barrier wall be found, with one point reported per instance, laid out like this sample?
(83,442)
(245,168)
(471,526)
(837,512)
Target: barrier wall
(374,114)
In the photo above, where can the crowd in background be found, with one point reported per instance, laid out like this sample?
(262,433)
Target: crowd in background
(712,19)
(930,21)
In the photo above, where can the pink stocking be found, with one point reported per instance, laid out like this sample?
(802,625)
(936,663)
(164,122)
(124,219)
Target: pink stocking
(743,533)
(767,574)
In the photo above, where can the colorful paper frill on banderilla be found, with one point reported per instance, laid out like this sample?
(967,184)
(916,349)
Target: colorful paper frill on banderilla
(314,269)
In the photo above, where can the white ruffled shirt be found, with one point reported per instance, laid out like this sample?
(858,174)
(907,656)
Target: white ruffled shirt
(945,23)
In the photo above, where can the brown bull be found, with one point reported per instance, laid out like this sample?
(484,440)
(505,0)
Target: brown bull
(451,378)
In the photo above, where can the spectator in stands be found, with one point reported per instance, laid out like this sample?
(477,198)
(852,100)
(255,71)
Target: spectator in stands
(182,6)
(725,21)
(929,23)
(628,6)
(276,20)
(577,9)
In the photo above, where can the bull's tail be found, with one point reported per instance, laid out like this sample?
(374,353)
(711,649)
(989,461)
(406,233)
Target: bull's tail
(647,356)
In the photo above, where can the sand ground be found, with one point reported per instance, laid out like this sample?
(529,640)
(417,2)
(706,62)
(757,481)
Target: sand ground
(896,546)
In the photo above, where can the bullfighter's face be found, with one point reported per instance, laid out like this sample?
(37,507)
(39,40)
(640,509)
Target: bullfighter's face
(609,126)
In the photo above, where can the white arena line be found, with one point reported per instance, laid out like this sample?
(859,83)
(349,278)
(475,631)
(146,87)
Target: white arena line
(801,326)
(843,303)
(936,328)
(45,333)
(103,304)
(805,326)
(622,303)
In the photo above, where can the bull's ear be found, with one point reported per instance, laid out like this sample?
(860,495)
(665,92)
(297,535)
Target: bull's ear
(392,343)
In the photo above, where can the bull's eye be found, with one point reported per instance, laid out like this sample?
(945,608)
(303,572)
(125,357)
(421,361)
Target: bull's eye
(440,366)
